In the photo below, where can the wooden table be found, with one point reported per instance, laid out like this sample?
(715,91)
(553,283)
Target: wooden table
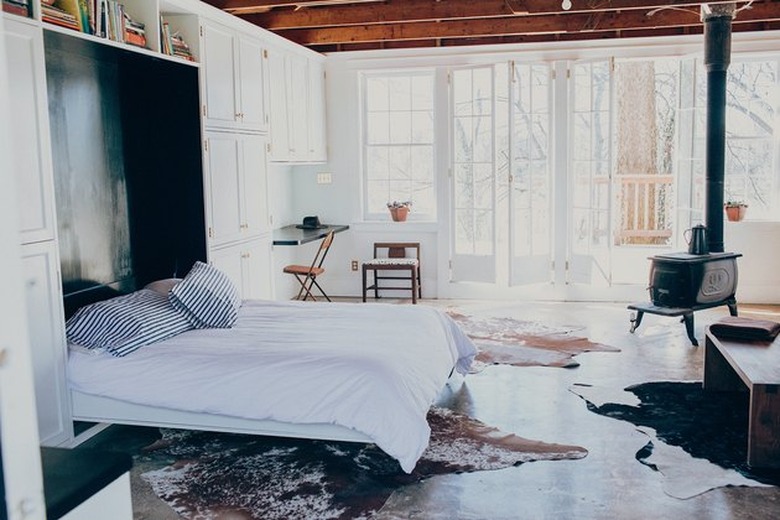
(733,364)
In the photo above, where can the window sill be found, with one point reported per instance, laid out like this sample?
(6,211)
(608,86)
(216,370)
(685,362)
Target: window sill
(422,226)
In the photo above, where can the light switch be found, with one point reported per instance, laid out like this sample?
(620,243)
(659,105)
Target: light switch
(324,178)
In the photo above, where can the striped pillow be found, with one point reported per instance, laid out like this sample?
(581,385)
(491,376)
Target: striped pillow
(206,297)
(126,323)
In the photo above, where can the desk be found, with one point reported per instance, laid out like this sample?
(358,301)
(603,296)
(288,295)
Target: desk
(292,236)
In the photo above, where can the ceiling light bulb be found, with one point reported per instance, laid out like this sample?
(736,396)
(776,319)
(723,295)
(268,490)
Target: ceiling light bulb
(566,5)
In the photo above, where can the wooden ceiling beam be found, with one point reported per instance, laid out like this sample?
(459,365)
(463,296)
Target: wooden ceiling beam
(536,38)
(523,25)
(391,11)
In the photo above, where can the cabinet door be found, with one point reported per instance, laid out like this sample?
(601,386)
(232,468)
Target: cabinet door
(277,86)
(298,85)
(30,138)
(47,342)
(228,260)
(224,187)
(253,114)
(254,190)
(256,267)
(219,76)
(316,126)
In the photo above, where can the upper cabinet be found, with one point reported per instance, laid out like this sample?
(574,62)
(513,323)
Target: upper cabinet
(32,162)
(234,80)
(297,93)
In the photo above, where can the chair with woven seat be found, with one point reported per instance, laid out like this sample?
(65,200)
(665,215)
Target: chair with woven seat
(307,274)
(399,258)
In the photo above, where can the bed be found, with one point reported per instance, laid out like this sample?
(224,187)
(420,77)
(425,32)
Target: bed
(341,371)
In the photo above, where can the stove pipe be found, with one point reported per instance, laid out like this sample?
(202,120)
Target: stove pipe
(717,56)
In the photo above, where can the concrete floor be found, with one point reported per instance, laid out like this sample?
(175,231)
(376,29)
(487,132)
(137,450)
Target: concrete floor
(535,402)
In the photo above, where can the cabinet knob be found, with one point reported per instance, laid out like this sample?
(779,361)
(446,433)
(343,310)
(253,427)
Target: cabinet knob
(3,356)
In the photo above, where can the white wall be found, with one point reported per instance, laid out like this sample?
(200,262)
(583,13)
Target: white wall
(340,202)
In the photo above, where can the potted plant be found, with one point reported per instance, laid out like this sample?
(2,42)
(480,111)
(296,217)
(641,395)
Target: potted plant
(399,210)
(735,210)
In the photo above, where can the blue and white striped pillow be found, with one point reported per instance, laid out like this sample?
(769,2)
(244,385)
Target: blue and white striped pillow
(207,297)
(126,323)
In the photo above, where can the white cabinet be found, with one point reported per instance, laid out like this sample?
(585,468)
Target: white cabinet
(236,190)
(47,341)
(297,106)
(30,138)
(234,80)
(318,151)
(248,265)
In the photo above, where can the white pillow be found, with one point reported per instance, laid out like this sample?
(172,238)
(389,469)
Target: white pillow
(206,297)
(163,286)
(126,323)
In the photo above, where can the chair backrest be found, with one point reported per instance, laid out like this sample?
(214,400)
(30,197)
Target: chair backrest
(397,249)
(322,251)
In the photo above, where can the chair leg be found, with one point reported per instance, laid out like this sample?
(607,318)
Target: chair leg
(414,285)
(376,285)
(303,287)
(314,281)
(365,273)
(306,286)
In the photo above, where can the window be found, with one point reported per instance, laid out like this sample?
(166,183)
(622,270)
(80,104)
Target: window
(398,150)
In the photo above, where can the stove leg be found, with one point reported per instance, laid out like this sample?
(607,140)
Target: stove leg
(732,307)
(688,319)
(636,320)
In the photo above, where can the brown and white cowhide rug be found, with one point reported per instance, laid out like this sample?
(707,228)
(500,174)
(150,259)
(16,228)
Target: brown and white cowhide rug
(508,341)
(697,440)
(204,475)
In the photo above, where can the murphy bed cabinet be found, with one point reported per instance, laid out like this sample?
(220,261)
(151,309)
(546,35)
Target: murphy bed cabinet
(236,73)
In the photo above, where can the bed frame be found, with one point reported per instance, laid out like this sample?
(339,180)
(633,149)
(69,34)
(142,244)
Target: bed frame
(93,408)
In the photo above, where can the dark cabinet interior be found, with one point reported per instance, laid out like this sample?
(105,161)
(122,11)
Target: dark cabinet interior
(128,174)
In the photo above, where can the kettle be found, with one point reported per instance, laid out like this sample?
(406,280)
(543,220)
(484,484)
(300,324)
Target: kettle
(697,240)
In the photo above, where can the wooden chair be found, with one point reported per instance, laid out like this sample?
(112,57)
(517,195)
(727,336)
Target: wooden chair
(307,274)
(396,260)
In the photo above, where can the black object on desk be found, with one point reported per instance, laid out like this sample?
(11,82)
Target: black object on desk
(293,236)
(71,477)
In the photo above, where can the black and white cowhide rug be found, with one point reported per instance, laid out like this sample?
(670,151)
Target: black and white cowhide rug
(520,343)
(205,475)
(697,440)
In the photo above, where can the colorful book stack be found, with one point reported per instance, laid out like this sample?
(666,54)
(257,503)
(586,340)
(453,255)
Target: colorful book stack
(20,7)
(59,16)
(135,32)
(173,44)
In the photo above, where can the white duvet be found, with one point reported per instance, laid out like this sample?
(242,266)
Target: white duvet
(374,368)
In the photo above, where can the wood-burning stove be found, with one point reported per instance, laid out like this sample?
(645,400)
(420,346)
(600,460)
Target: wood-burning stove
(681,283)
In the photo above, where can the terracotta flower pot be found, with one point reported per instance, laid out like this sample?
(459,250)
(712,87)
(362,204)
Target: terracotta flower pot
(735,213)
(399,214)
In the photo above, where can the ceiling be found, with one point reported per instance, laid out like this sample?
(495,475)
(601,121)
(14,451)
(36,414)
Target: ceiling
(347,25)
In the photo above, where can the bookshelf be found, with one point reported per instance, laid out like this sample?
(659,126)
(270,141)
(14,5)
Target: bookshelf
(135,25)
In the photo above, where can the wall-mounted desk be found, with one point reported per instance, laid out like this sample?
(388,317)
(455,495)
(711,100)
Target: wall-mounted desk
(293,236)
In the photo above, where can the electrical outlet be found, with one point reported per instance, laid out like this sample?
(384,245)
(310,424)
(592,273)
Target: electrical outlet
(354,265)
(324,178)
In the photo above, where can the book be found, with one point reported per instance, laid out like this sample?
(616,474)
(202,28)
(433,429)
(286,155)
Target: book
(18,8)
(737,327)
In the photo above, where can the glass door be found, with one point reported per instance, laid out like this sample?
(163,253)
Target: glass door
(530,201)
(473,175)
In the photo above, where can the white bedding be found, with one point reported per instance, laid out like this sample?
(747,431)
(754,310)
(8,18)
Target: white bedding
(373,368)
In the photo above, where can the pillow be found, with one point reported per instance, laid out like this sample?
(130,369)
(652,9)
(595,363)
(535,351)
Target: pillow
(162,286)
(126,323)
(206,297)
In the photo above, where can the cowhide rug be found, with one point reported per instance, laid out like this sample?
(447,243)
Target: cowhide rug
(697,439)
(508,341)
(204,475)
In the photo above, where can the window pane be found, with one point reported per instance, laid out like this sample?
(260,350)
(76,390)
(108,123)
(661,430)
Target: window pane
(399,136)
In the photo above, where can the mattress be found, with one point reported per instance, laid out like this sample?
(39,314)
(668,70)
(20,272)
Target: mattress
(373,368)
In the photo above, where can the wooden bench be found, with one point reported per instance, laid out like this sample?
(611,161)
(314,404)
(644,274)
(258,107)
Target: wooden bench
(733,364)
